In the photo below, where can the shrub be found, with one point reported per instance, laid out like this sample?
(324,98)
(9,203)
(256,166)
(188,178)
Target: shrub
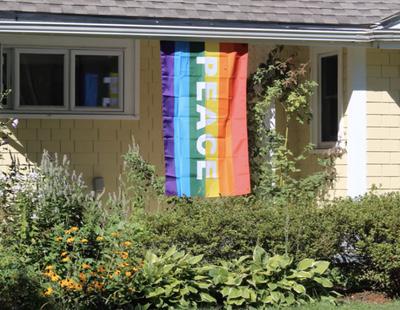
(359,236)
(229,228)
(370,244)
(19,282)
(270,281)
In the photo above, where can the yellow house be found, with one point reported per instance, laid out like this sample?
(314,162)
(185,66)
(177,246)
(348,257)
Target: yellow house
(49,48)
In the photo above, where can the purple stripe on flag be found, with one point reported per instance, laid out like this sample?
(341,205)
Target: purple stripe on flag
(168,101)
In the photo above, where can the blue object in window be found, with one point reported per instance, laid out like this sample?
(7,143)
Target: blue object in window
(91,90)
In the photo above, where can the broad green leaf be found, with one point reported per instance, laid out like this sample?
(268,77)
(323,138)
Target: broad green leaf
(298,288)
(245,292)
(321,266)
(324,282)
(276,296)
(195,259)
(207,298)
(301,274)
(203,284)
(158,291)
(226,291)
(267,300)
(290,300)
(258,255)
(235,293)
(305,264)
(192,289)
(171,251)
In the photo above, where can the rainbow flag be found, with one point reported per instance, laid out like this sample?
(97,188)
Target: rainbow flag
(204,118)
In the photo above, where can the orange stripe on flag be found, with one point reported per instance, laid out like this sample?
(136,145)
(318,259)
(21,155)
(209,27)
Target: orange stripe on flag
(237,124)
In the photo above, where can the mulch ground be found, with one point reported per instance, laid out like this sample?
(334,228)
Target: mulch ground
(368,297)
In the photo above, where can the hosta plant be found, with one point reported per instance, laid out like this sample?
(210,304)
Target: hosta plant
(262,281)
(174,280)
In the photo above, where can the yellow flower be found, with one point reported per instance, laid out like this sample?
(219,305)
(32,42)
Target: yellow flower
(82,277)
(126,244)
(65,283)
(49,267)
(85,266)
(58,239)
(70,239)
(70,284)
(98,285)
(72,229)
(66,259)
(99,238)
(48,292)
(128,274)
(124,255)
(124,264)
(84,241)
(63,254)
(101,268)
(117,272)
(54,277)
(114,234)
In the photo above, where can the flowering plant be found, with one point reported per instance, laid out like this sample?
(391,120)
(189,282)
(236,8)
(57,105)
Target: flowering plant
(87,268)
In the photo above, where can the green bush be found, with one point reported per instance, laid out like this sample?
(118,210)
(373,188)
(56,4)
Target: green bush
(271,281)
(19,282)
(370,239)
(360,237)
(229,228)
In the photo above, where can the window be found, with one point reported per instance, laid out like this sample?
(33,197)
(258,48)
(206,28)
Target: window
(41,79)
(5,69)
(63,80)
(327,99)
(97,80)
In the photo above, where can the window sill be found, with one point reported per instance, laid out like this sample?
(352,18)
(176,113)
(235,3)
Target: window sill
(69,116)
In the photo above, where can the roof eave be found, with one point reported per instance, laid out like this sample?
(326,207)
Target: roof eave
(278,33)
(312,34)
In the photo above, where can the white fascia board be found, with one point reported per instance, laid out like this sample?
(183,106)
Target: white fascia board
(345,35)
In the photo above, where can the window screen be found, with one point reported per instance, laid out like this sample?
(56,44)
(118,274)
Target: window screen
(96,81)
(41,79)
(329,98)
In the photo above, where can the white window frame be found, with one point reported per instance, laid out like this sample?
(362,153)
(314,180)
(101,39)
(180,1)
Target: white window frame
(39,51)
(120,56)
(129,48)
(317,53)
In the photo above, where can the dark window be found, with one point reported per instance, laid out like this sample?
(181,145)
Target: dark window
(329,98)
(5,86)
(41,79)
(96,81)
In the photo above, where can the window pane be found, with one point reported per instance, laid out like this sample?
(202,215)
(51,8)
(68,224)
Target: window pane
(329,98)
(96,81)
(5,85)
(41,79)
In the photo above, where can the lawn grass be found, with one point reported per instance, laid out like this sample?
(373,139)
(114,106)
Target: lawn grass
(395,305)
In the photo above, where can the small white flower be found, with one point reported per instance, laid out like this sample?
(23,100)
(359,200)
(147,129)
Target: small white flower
(14,122)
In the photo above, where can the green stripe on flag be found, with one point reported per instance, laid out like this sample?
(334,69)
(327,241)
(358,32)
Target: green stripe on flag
(196,75)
